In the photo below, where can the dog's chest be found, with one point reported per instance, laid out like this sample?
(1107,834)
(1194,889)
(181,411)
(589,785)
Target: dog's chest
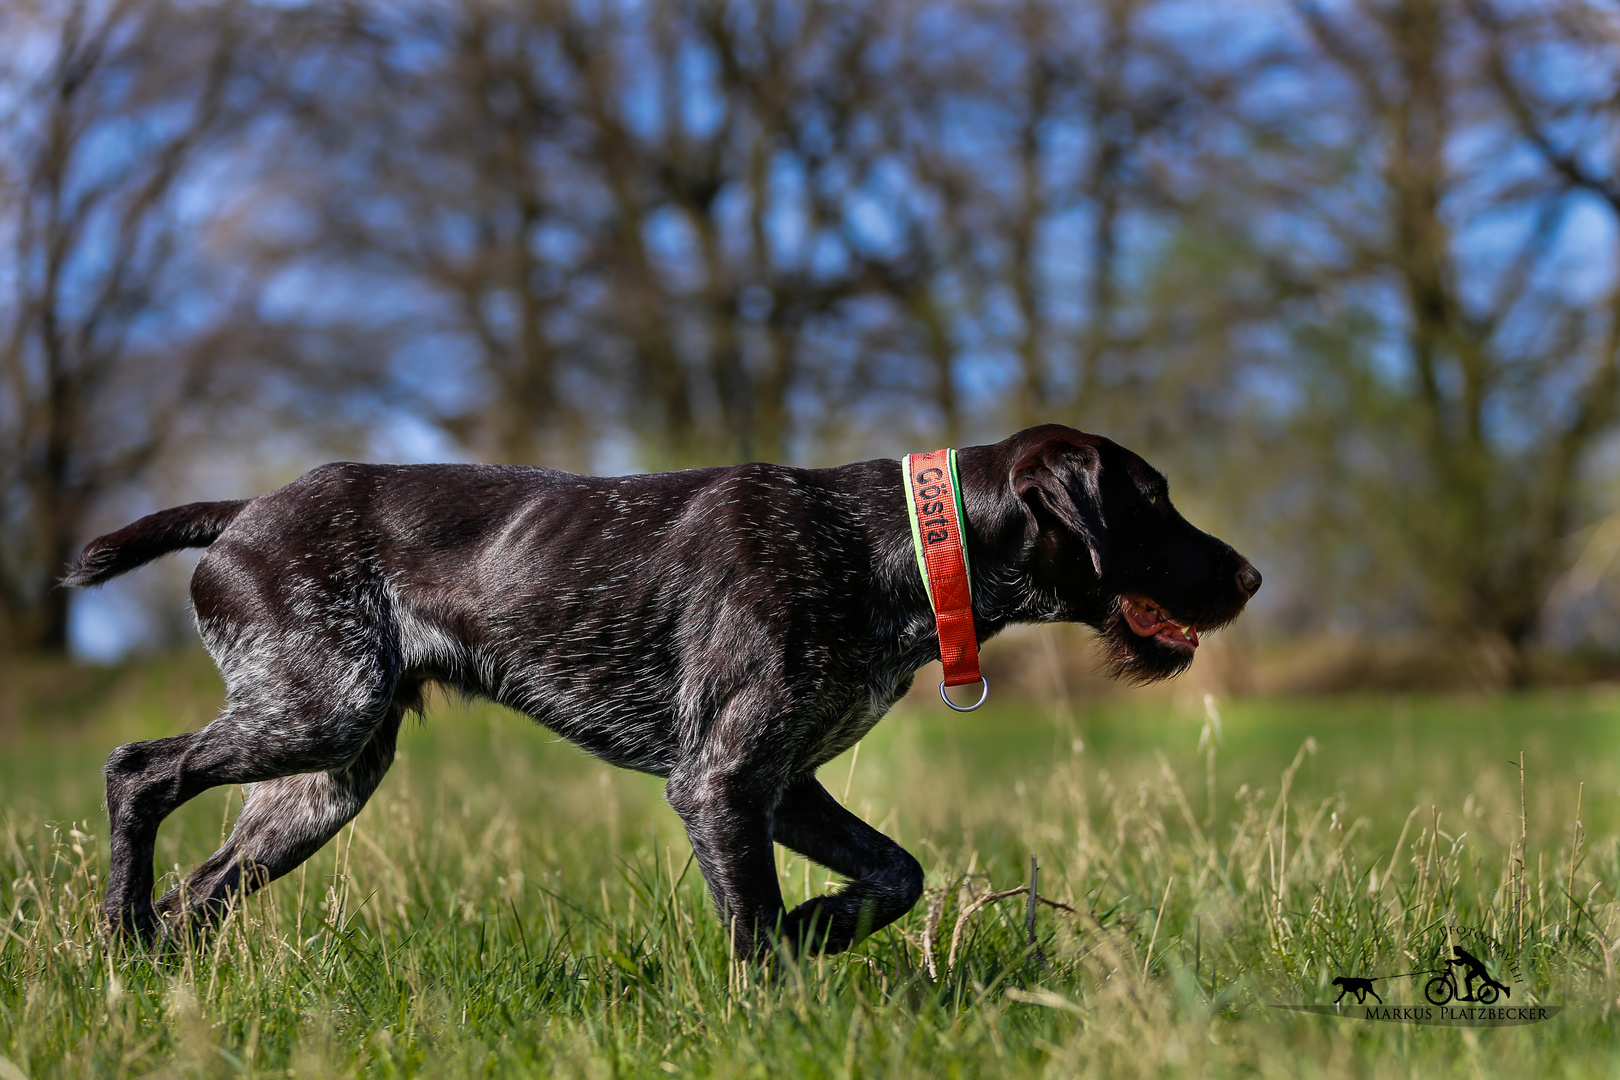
(847,730)
(858,716)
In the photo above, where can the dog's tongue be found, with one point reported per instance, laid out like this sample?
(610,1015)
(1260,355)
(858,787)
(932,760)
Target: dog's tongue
(1148,620)
(1172,632)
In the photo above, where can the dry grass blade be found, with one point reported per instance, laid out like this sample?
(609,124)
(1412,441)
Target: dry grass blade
(936,911)
(983,902)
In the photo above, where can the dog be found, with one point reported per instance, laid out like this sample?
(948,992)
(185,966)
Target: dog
(728,629)
(1349,984)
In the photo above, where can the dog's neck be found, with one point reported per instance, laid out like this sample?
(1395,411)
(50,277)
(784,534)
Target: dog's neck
(994,533)
(999,543)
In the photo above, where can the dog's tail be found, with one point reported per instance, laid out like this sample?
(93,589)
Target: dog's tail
(192,525)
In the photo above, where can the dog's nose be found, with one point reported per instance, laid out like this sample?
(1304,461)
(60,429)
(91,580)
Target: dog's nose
(1248,579)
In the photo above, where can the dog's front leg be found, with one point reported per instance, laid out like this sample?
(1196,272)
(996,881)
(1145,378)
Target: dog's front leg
(729,825)
(886,879)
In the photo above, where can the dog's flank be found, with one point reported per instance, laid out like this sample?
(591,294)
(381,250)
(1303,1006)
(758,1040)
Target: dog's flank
(729,629)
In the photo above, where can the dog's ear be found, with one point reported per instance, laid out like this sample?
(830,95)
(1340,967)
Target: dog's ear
(1064,479)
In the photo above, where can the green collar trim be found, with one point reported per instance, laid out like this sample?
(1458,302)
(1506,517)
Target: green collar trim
(916,530)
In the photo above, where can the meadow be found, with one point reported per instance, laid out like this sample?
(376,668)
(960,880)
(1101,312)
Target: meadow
(507,907)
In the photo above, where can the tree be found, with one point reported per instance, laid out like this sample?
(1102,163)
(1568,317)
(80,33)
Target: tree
(1317,268)
(616,220)
(109,336)
(1416,227)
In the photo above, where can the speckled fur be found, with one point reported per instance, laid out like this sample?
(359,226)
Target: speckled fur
(730,629)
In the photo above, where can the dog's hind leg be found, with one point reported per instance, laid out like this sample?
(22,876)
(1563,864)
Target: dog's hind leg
(283,822)
(296,706)
(885,879)
(147,781)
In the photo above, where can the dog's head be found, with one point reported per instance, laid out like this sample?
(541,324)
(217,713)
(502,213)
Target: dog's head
(1102,539)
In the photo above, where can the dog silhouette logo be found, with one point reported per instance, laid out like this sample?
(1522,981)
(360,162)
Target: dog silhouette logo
(1349,984)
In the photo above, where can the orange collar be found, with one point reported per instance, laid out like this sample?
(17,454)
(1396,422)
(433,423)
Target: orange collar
(934,505)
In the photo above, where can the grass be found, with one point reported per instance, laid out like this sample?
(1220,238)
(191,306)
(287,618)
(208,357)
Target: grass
(507,907)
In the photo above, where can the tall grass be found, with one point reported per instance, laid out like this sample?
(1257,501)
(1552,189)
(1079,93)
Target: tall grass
(506,907)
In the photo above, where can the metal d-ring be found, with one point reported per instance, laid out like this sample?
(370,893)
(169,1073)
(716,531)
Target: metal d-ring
(983,695)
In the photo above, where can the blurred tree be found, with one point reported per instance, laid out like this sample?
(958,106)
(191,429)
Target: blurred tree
(740,231)
(672,221)
(108,334)
(658,219)
(1348,272)
(1037,134)
(1444,378)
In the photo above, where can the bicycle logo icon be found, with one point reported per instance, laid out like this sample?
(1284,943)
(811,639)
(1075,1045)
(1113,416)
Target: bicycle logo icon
(1443,987)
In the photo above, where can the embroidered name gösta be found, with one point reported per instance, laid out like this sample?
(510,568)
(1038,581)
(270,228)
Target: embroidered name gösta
(933,490)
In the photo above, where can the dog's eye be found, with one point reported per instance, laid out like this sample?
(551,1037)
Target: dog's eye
(1153,500)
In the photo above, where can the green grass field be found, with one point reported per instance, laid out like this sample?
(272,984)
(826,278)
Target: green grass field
(507,907)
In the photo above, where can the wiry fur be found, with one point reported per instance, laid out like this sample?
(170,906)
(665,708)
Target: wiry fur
(192,525)
(729,629)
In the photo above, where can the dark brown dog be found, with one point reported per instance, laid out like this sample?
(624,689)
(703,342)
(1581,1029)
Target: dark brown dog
(729,629)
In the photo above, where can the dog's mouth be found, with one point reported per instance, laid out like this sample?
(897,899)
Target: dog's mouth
(1146,641)
(1147,619)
